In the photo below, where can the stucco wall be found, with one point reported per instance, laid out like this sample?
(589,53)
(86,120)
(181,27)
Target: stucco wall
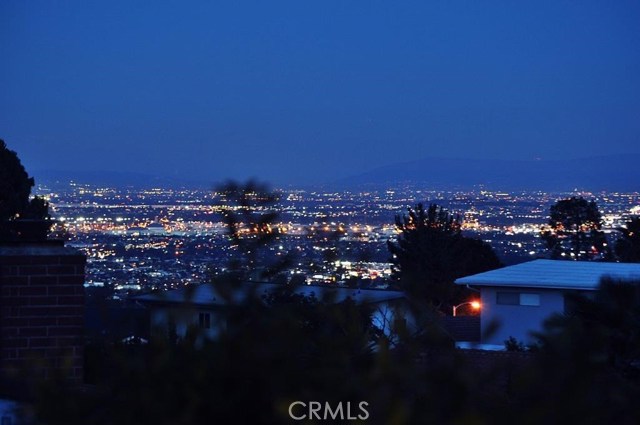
(517,320)
(163,318)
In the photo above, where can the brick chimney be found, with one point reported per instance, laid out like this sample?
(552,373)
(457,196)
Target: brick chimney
(41,311)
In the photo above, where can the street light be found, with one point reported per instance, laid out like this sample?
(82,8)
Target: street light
(474,305)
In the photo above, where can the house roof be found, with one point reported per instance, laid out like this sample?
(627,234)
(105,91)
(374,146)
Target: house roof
(209,295)
(554,274)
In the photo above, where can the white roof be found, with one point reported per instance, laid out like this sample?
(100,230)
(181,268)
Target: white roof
(556,274)
(209,295)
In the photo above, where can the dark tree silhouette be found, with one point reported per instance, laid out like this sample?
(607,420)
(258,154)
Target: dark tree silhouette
(431,253)
(628,246)
(15,184)
(573,231)
(249,213)
(15,188)
(586,368)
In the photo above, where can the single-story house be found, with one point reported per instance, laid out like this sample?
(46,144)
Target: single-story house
(519,298)
(204,306)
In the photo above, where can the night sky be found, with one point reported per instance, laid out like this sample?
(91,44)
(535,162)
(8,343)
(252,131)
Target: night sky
(304,91)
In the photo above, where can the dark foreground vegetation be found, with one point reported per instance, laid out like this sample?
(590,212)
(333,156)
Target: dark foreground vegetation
(287,348)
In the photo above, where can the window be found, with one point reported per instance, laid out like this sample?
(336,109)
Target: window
(530,299)
(204,320)
(517,298)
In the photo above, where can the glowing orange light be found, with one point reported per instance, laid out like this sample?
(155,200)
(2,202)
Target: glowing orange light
(475,305)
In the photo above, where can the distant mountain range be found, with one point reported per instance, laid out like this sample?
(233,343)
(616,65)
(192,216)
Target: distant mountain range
(613,172)
(114,178)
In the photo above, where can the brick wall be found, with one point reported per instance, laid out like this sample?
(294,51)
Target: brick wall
(41,311)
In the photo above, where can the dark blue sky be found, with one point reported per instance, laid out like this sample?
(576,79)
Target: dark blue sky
(312,91)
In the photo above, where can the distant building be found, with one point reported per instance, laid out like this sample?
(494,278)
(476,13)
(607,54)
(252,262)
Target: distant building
(519,298)
(9,412)
(155,229)
(136,230)
(203,306)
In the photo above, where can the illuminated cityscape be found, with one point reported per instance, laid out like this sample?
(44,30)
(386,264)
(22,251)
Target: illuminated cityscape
(145,239)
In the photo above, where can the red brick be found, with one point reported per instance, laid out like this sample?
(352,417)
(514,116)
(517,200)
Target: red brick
(59,353)
(6,311)
(73,259)
(14,321)
(20,260)
(15,301)
(32,270)
(16,259)
(33,331)
(9,331)
(70,280)
(70,342)
(26,353)
(33,290)
(43,321)
(66,311)
(71,300)
(30,311)
(71,321)
(62,270)
(6,291)
(9,353)
(15,280)
(66,331)
(41,342)
(43,301)
(15,343)
(42,280)
(64,289)
(6,271)
(49,311)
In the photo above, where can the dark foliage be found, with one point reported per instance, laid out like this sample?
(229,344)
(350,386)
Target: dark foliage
(431,253)
(512,344)
(587,367)
(628,246)
(573,231)
(251,222)
(15,184)
(15,188)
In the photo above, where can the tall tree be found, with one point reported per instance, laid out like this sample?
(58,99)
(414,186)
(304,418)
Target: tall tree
(574,230)
(15,184)
(431,253)
(15,190)
(628,246)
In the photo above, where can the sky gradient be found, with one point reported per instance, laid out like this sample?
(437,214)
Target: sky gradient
(304,91)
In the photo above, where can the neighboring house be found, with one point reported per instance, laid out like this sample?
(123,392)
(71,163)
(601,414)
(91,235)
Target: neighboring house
(9,412)
(205,307)
(519,298)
